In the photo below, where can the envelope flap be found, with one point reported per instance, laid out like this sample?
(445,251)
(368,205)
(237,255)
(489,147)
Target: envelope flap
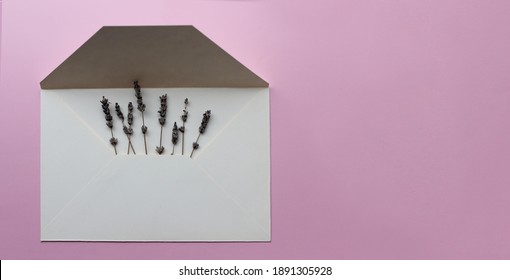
(160,56)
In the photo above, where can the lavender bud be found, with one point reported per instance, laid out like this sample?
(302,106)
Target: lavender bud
(104,101)
(138,94)
(184,116)
(175,134)
(162,109)
(127,131)
(205,121)
(119,112)
(130,118)
(160,149)
(136,85)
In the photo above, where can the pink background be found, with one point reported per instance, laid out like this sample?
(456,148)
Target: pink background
(390,123)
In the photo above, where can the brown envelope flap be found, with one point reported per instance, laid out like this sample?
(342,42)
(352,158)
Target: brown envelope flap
(157,56)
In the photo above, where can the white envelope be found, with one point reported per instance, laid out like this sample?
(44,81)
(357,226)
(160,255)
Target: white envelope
(90,194)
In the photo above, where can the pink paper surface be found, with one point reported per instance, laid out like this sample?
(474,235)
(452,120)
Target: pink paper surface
(390,123)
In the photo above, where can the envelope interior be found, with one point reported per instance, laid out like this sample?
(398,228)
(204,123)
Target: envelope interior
(90,194)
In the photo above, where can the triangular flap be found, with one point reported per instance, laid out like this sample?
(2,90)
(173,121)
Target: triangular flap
(158,56)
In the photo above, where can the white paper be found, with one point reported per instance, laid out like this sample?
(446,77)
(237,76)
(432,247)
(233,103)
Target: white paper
(90,194)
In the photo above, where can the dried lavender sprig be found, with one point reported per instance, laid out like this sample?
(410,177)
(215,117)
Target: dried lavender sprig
(175,136)
(184,118)
(162,120)
(127,131)
(203,125)
(109,121)
(130,123)
(141,108)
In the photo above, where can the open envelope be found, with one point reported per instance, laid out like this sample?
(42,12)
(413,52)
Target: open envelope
(90,194)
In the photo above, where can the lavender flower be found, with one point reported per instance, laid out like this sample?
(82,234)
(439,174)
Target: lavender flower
(175,136)
(127,130)
(184,118)
(109,121)
(162,120)
(119,112)
(130,114)
(141,108)
(205,120)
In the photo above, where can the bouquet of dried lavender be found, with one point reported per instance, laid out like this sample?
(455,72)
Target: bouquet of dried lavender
(162,120)
(184,118)
(175,136)
(205,120)
(127,130)
(109,121)
(141,108)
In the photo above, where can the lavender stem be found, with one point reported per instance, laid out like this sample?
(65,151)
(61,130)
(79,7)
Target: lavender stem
(194,149)
(131,144)
(184,118)
(161,136)
(183,139)
(144,138)
(114,147)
